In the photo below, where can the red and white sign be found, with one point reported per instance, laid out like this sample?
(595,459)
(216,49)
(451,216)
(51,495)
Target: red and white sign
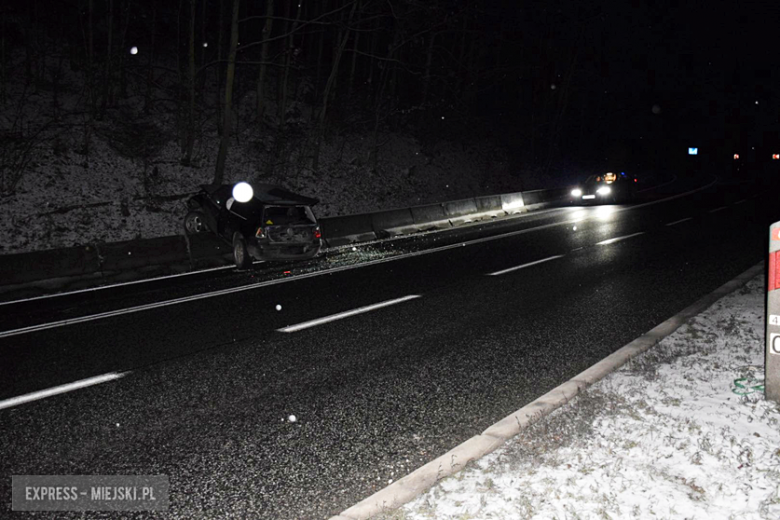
(774,343)
(774,271)
(776,234)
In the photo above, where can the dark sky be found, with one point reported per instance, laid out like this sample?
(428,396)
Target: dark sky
(702,65)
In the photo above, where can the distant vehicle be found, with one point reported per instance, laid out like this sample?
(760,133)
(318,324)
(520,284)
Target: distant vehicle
(271,224)
(605,188)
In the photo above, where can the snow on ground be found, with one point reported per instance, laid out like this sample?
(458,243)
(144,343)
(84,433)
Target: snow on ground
(680,432)
(67,199)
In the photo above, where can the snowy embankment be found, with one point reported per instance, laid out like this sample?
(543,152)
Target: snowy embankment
(683,431)
(66,180)
(66,199)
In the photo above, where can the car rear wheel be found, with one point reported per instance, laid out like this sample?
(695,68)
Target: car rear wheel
(240,253)
(193,222)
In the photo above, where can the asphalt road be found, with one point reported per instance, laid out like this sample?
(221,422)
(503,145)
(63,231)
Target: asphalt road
(469,333)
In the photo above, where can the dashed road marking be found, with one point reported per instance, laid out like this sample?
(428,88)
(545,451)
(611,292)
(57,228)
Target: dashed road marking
(111,286)
(618,239)
(679,221)
(529,264)
(346,314)
(62,389)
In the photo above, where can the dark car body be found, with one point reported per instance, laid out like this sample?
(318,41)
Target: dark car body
(605,188)
(275,224)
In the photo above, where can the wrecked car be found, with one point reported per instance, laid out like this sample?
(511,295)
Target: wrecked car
(259,221)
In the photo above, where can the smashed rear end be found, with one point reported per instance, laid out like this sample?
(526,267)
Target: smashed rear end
(286,231)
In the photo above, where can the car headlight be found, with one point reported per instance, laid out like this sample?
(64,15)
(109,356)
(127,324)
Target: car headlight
(243,192)
(576,192)
(604,190)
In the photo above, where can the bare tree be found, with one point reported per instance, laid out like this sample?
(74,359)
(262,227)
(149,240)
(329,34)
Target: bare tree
(266,34)
(318,68)
(341,43)
(288,56)
(3,76)
(351,82)
(149,77)
(125,25)
(224,142)
(190,130)
(107,67)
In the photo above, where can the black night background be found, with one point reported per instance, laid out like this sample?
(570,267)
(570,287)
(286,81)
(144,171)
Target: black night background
(285,253)
(561,88)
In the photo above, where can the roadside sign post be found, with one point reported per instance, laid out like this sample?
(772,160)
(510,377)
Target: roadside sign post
(772,363)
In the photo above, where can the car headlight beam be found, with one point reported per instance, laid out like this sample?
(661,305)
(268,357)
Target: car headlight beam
(576,192)
(604,190)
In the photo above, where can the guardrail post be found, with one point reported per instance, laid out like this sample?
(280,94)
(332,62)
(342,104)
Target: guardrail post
(772,363)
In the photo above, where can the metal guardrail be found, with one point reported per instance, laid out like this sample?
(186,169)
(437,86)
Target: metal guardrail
(201,251)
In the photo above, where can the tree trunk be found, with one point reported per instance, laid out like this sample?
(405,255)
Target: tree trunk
(319,67)
(384,78)
(107,70)
(224,142)
(3,77)
(371,60)
(149,75)
(89,74)
(29,54)
(351,84)
(220,77)
(202,44)
(91,60)
(266,34)
(122,74)
(340,45)
(287,61)
(190,143)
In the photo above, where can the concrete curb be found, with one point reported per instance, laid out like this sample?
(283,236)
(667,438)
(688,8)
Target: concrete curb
(393,222)
(347,229)
(422,479)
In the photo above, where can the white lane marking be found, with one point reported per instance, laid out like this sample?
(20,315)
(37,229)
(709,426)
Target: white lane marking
(679,221)
(346,314)
(618,239)
(92,289)
(529,264)
(42,394)
(100,288)
(740,202)
(578,249)
(403,256)
(128,310)
(717,209)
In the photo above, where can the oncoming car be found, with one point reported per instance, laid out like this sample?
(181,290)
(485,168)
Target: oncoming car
(605,188)
(259,221)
